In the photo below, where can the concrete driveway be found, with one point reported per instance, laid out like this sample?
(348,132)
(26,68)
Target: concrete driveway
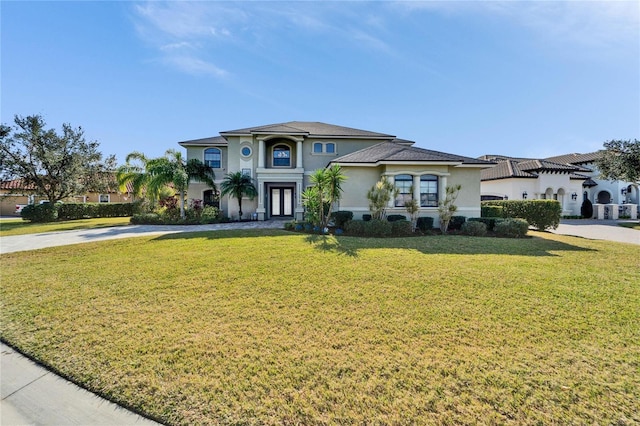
(599,230)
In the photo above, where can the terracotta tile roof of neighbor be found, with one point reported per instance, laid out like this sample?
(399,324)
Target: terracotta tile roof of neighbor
(528,168)
(575,158)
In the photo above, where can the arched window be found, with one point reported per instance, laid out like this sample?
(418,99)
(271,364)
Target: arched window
(331,148)
(428,191)
(317,148)
(213,158)
(281,156)
(403,183)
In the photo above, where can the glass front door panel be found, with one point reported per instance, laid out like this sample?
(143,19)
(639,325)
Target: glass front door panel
(286,201)
(275,201)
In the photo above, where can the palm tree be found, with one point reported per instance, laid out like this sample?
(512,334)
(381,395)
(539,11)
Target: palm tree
(134,172)
(151,176)
(238,185)
(173,169)
(328,189)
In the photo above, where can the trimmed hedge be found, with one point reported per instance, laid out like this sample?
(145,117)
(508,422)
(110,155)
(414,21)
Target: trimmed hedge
(341,217)
(474,228)
(512,228)
(40,213)
(425,224)
(456,223)
(490,222)
(491,211)
(401,228)
(73,211)
(396,217)
(541,214)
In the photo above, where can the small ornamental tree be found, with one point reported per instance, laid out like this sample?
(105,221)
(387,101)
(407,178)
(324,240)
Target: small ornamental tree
(586,209)
(412,208)
(379,197)
(447,207)
(319,199)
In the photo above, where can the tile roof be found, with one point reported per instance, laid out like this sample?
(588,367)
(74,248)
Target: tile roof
(401,151)
(575,158)
(526,168)
(308,128)
(216,140)
(19,184)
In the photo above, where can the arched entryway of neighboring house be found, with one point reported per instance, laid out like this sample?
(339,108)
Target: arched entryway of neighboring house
(604,197)
(548,194)
(560,196)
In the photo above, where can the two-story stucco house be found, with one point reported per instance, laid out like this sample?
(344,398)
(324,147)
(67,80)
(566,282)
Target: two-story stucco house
(281,157)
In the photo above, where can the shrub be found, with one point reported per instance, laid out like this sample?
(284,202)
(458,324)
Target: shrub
(474,228)
(210,214)
(541,214)
(146,219)
(338,231)
(396,217)
(290,226)
(40,213)
(341,217)
(377,228)
(425,224)
(586,209)
(456,222)
(355,227)
(72,211)
(366,217)
(491,211)
(400,228)
(489,222)
(512,228)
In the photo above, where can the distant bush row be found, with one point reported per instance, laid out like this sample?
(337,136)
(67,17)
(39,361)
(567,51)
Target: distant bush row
(48,212)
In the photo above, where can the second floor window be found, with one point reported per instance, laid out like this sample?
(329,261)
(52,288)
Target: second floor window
(281,156)
(213,158)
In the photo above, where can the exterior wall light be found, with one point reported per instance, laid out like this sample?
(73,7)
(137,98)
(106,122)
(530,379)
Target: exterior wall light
(623,191)
(524,195)
(574,196)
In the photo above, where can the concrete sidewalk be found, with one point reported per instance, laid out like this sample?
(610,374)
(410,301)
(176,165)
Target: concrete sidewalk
(32,395)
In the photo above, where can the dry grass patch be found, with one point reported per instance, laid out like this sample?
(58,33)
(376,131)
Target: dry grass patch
(269,327)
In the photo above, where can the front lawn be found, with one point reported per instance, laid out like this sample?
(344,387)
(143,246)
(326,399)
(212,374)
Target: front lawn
(21,227)
(271,327)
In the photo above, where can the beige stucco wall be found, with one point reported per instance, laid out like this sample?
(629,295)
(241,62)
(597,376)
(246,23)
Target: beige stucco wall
(361,179)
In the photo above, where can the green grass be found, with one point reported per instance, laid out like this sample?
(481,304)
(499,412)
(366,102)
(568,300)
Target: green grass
(632,225)
(20,227)
(270,327)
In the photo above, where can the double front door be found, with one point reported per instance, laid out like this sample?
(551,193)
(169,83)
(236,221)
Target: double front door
(281,201)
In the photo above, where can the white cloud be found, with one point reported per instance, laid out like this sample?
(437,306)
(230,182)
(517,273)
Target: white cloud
(598,24)
(195,66)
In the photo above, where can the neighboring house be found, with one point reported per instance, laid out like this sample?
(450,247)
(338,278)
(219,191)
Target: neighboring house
(281,157)
(15,192)
(569,178)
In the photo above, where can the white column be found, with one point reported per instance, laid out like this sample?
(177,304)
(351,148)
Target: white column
(261,154)
(416,189)
(443,187)
(299,155)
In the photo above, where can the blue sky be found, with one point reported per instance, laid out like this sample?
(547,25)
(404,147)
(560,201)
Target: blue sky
(528,79)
